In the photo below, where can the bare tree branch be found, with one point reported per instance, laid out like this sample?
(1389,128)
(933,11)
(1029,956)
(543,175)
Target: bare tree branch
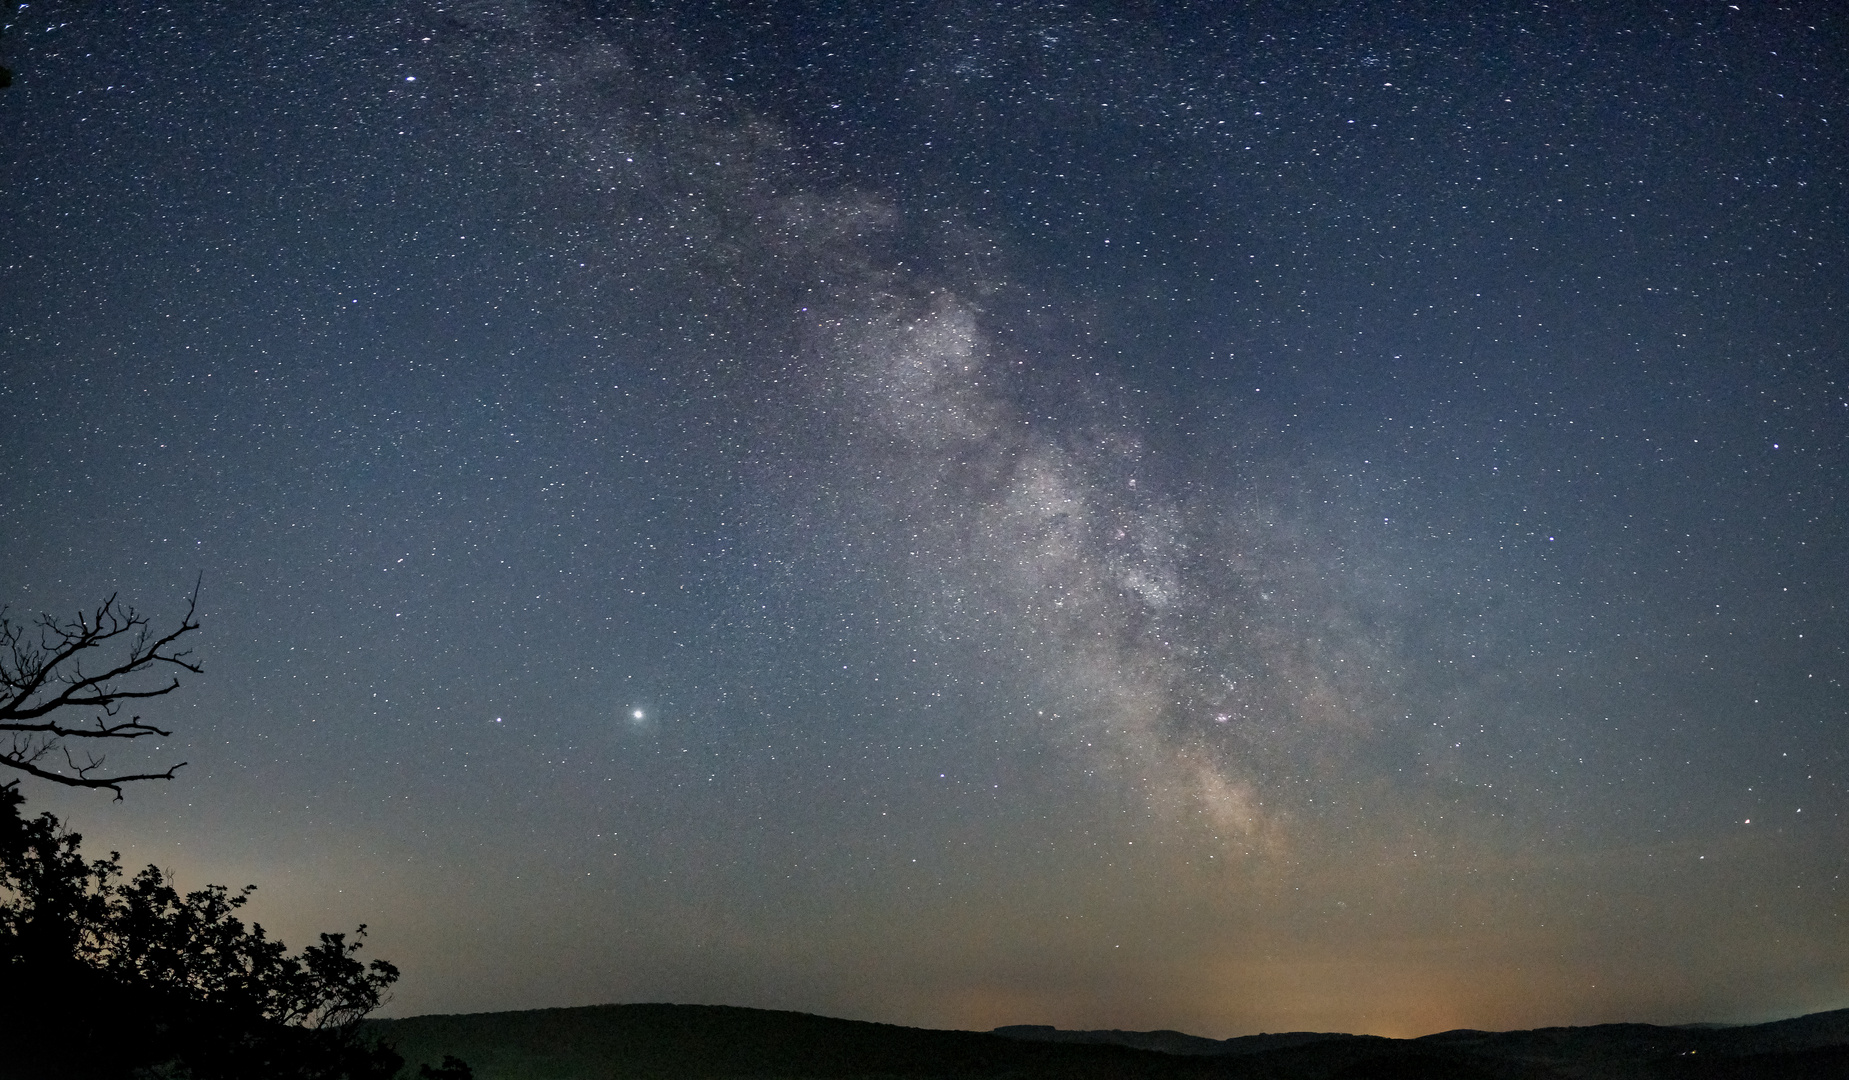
(42,680)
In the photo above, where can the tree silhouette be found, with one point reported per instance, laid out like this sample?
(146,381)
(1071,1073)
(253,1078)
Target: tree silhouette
(44,682)
(107,979)
(453,1068)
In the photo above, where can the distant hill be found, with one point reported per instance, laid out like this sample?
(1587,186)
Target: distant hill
(688,1042)
(710,1042)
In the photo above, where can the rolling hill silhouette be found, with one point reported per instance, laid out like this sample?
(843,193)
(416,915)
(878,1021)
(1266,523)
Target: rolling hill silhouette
(690,1042)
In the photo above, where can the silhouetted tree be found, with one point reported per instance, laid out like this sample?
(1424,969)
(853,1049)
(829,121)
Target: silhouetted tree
(45,684)
(453,1068)
(103,978)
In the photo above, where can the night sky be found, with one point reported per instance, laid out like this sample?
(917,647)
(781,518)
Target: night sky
(1308,516)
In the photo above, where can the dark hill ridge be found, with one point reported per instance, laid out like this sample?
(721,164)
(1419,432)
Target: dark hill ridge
(697,1041)
(636,1042)
(1174,1042)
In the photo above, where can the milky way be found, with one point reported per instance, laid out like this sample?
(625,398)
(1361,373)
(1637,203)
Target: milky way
(965,516)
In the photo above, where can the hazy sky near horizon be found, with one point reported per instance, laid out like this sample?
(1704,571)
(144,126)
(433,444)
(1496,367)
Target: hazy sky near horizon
(1229,518)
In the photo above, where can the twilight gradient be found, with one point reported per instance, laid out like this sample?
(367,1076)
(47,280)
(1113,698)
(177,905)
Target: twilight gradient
(965,515)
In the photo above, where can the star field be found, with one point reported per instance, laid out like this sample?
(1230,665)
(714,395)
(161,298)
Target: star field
(965,515)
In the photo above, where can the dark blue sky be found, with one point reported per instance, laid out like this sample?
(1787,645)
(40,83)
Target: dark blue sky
(1110,515)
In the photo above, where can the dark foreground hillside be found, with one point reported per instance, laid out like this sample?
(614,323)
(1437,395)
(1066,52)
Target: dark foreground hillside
(690,1042)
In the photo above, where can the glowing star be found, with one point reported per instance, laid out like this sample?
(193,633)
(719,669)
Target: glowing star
(635,714)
